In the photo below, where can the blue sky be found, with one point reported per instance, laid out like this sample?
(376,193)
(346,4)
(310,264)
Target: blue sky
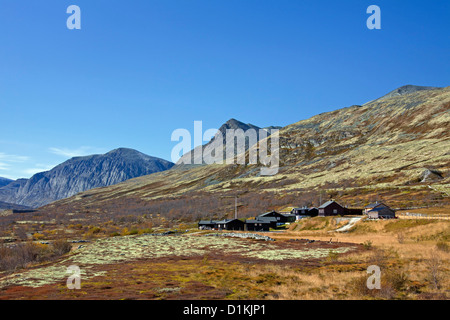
(137,70)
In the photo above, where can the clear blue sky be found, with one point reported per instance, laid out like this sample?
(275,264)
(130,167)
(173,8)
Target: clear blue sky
(137,70)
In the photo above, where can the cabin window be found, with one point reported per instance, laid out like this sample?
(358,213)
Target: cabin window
(334,210)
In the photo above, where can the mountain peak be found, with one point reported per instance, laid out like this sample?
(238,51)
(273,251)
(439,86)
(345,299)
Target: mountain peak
(409,88)
(234,121)
(123,151)
(232,124)
(236,124)
(406,89)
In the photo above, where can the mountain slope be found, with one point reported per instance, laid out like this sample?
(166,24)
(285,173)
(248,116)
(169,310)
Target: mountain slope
(397,136)
(401,91)
(80,174)
(4,181)
(382,147)
(219,141)
(12,206)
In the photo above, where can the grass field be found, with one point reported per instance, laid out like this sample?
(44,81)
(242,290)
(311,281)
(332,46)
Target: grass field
(413,256)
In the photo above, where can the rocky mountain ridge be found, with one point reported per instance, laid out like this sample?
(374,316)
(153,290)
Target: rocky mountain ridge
(387,145)
(219,141)
(80,174)
(4,181)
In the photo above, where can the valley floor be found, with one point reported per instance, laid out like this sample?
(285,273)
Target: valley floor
(413,256)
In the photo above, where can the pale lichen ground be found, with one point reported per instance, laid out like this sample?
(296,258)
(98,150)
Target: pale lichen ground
(129,248)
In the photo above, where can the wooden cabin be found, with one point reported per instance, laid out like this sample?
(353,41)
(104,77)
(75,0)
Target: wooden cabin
(331,208)
(373,206)
(231,224)
(257,225)
(381,213)
(280,218)
(307,212)
(273,222)
(354,211)
(299,211)
(289,217)
(207,224)
(313,212)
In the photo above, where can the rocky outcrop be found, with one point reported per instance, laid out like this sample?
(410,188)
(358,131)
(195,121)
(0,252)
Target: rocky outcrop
(431,175)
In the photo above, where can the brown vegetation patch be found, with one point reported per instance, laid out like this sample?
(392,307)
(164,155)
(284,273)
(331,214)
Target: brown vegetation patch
(214,275)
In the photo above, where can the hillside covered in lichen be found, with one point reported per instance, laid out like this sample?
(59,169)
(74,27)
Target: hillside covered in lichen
(395,149)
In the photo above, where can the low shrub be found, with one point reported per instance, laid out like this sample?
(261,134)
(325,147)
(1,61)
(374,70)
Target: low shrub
(146,230)
(332,256)
(435,270)
(393,283)
(443,246)
(397,279)
(401,237)
(61,247)
(38,236)
(133,231)
(367,244)
(94,230)
(21,255)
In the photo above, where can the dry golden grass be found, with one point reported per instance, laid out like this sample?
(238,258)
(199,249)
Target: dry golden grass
(313,285)
(414,257)
(415,266)
(443,210)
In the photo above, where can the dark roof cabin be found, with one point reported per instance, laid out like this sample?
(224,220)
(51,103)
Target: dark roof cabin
(373,206)
(354,211)
(271,220)
(273,214)
(331,208)
(311,212)
(207,224)
(299,211)
(231,224)
(258,225)
(289,217)
(381,212)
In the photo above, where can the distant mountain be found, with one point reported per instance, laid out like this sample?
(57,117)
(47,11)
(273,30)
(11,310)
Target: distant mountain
(396,149)
(220,137)
(4,181)
(403,91)
(7,192)
(80,174)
